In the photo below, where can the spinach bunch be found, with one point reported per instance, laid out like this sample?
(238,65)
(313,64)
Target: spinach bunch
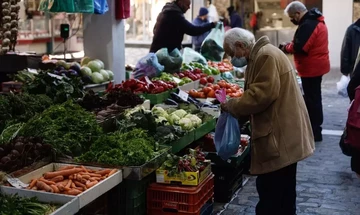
(132,148)
(67,127)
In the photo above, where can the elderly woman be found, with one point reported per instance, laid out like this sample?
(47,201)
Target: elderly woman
(281,129)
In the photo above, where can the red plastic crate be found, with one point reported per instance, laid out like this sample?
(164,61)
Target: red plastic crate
(169,200)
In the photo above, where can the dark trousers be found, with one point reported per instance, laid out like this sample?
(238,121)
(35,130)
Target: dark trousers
(313,101)
(277,192)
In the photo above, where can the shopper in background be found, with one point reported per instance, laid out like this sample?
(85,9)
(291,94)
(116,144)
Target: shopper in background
(235,19)
(171,26)
(213,14)
(350,48)
(311,55)
(199,21)
(353,84)
(281,129)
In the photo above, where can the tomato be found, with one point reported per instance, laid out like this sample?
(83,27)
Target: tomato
(228,91)
(211,94)
(203,81)
(192,93)
(206,90)
(210,79)
(201,95)
(209,85)
(222,84)
(237,87)
(216,87)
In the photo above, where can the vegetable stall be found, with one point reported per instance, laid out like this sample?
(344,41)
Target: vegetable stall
(74,142)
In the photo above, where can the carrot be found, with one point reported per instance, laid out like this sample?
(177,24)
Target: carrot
(79,184)
(95,175)
(65,168)
(112,172)
(82,167)
(68,184)
(34,188)
(80,188)
(85,177)
(62,172)
(32,184)
(91,183)
(62,188)
(47,182)
(55,188)
(42,186)
(103,172)
(78,177)
(57,178)
(73,185)
(73,192)
(95,179)
(64,182)
(71,177)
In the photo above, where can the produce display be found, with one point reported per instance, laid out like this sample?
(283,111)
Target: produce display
(144,85)
(68,128)
(70,180)
(16,108)
(115,102)
(9,26)
(207,69)
(224,66)
(232,90)
(21,152)
(132,148)
(60,89)
(15,205)
(192,162)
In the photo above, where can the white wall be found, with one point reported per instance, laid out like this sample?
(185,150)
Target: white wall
(338,16)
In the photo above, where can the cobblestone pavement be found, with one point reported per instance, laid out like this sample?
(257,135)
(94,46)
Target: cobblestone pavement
(325,183)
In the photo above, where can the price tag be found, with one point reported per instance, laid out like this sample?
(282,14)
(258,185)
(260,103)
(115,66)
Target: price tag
(177,80)
(15,182)
(183,95)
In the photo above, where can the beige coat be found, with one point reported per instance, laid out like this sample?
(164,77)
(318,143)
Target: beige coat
(281,129)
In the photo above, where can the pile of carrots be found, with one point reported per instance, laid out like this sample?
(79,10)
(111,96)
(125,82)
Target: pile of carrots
(70,180)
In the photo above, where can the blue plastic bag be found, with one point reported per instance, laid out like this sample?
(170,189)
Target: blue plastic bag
(227,132)
(148,66)
(100,6)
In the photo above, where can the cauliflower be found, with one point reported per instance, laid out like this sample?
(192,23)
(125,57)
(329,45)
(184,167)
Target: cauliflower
(173,119)
(186,124)
(180,113)
(130,112)
(196,121)
(159,111)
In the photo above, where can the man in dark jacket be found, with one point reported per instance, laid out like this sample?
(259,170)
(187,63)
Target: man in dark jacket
(202,19)
(350,48)
(311,55)
(235,19)
(171,26)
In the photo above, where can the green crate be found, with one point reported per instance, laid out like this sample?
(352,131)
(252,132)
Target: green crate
(204,129)
(133,195)
(184,141)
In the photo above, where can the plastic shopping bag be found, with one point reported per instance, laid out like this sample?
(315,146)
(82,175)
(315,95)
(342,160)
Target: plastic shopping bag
(227,131)
(148,66)
(63,6)
(190,55)
(342,85)
(100,6)
(171,61)
(212,47)
(84,6)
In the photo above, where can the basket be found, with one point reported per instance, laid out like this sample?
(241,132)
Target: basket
(179,200)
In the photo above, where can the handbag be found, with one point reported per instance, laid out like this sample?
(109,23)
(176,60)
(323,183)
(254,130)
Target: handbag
(345,148)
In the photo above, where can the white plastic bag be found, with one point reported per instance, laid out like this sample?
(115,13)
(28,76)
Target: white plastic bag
(342,85)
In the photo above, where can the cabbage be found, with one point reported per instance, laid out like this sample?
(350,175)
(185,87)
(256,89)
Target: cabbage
(101,63)
(105,74)
(186,124)
(85,61)
(159,111)
(196,121)
(174,119)
(161,119)
(97,78)
(111,74)
(180,113)
(85,71)
(94,65)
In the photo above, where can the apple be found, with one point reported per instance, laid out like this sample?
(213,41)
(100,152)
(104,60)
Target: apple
(203,81)
(210,79)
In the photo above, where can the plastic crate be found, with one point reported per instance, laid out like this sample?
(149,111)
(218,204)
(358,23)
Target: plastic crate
(133,195)
(205,129)
(208,208)
(179,200)
(223,193)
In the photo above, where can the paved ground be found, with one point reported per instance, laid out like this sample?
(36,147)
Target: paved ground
(325,183)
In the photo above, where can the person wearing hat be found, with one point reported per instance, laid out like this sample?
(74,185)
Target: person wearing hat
(201,20)
(235,18)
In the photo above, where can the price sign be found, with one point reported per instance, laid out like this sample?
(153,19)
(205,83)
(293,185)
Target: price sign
(183,95)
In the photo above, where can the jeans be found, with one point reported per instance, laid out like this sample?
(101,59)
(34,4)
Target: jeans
(277,192)
(313,100)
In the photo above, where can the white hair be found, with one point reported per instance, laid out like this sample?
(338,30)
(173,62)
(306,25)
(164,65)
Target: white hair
(239,35)
(295,7)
